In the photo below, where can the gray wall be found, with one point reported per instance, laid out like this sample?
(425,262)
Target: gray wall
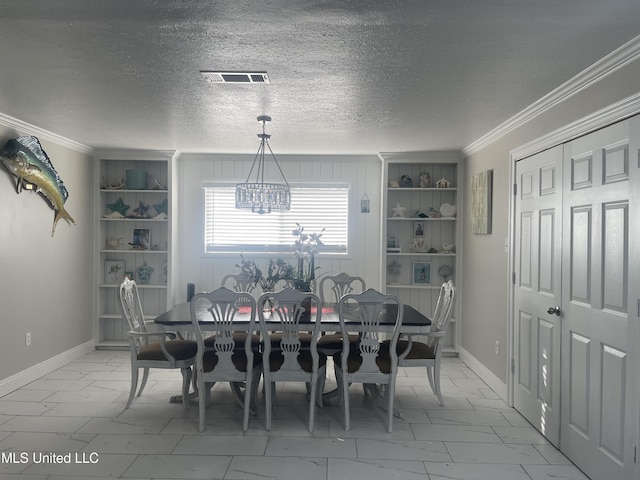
(485,265)
(46,284)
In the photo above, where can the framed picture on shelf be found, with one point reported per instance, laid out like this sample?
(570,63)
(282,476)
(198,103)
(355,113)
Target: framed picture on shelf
(113,271)
(418,229)
(141,238)
(422,273)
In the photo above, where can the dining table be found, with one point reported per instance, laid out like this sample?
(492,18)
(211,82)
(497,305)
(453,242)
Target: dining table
(178,318)
(413,322)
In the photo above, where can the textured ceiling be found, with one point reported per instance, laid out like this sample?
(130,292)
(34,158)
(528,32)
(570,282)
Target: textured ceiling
(357,76)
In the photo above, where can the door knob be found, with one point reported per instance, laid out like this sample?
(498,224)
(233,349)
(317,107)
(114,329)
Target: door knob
(554,310)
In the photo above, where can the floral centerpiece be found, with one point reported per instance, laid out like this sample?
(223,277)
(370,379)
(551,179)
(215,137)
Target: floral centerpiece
(305,248)
(249,270)
(302,275)
(276,271)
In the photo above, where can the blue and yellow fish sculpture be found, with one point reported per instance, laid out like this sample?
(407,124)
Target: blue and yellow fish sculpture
(25,158)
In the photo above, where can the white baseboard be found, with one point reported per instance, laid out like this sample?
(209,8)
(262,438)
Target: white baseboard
(484,373)
(24,377)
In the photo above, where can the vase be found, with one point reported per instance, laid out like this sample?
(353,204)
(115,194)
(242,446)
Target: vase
(144,272)
(302,285)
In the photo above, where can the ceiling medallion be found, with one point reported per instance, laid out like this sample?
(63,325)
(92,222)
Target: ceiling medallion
(259,196)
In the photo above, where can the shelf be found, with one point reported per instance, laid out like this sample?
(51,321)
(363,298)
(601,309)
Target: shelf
(103,219)
(421,254)
(113,235)
(140,285)
(419,189)
(420,219)
(435,230)
(122,190)
(146,252)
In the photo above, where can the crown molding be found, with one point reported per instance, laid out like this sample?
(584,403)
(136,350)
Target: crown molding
(613,113)
(626,54)
(28,129)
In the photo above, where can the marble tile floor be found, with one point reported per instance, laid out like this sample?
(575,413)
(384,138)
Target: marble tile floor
(71,424)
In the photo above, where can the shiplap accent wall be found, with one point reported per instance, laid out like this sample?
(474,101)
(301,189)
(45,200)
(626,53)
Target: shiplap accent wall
(363,173)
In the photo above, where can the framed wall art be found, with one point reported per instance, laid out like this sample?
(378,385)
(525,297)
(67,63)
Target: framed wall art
(418,229)
(141,238)
(113,272)
(481,186)
(421,273)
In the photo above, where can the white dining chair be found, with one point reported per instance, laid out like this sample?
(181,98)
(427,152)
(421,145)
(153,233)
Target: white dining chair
(219,360)
(167,352)
(332,288)
(287,356)
(366,361)
(429,354)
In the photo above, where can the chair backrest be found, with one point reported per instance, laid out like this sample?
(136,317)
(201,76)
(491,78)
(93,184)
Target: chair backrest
(334,287)
(442,313)
(367,309)
(240,282)
(291,312)
(131,308)
(220,310)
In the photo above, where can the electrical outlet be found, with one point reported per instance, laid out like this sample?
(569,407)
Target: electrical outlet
(27,339)
(497,347)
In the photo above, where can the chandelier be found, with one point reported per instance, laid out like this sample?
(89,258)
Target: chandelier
(259,196)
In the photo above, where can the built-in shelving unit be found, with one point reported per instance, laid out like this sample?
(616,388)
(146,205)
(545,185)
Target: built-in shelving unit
(418,241)
(119,248)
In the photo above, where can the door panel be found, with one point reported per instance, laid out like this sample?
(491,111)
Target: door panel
(538,287)
(576,251)
(595,304)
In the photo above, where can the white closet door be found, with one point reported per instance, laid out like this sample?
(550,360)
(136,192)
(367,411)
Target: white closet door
(597,398)
(538,290)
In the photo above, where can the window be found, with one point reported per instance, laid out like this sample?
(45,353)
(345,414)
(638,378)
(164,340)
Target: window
(314,207)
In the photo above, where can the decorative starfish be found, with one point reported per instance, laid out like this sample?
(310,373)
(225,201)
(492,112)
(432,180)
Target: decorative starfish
(119,207)
(141,210)
(162,207)
(398,211)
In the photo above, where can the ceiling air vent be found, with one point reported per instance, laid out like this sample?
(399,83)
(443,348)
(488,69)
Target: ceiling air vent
(235,77)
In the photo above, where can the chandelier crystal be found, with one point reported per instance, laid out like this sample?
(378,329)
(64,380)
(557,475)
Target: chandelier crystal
(259,196)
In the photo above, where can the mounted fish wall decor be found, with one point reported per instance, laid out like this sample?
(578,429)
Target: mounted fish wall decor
(25,158)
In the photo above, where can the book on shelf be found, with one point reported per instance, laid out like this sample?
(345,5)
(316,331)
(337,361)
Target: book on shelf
(394,249)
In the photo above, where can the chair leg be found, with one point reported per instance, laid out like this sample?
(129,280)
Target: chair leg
(312,400)
(343,385)
(267,400)
(202,394)
(257,372)
(434,381)
(339,387)
(134,385)
(186,381)
(247,401)
(145,377)
(322,377)
(390,394)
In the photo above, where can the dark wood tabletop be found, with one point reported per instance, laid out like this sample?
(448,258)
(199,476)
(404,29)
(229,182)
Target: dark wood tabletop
(413,321)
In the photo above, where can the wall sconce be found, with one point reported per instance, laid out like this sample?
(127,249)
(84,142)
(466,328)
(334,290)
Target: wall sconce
(365,206)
